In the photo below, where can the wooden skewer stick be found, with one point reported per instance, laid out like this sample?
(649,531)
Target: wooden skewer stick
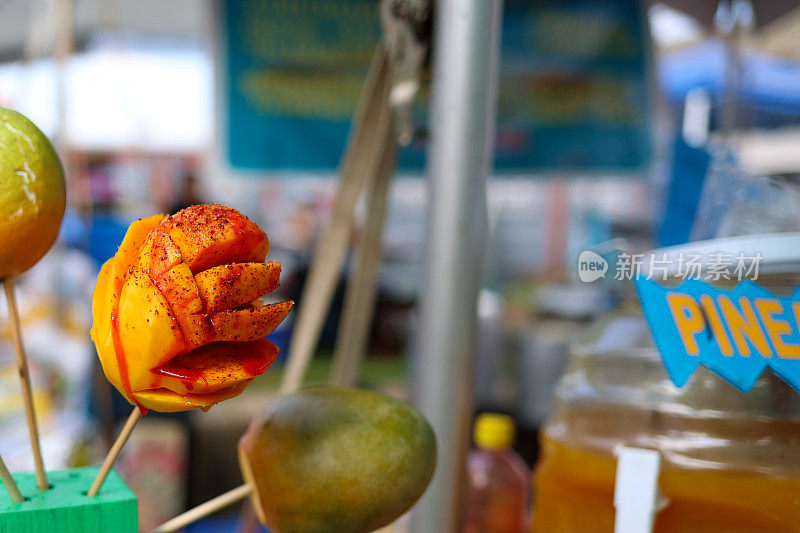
(25,379)
(9,483)
(205,509)
(114,452)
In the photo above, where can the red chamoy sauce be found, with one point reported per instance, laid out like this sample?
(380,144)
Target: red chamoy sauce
(255,365)
(220,362)
(122,362)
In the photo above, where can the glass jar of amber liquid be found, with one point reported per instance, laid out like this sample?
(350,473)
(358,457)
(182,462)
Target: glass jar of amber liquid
(730,461)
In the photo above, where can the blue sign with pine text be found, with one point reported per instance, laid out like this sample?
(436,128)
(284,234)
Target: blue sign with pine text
(735,333)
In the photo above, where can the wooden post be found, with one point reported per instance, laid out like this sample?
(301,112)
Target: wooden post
(25,380)
(351,340)
(372,131)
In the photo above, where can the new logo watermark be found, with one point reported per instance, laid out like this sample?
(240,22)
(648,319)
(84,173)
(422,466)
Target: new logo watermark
(591,266)
(717,266)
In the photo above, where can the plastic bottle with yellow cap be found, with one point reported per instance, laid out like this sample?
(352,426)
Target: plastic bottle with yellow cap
(497,491)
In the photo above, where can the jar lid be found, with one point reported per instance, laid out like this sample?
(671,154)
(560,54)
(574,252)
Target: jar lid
(571,301)
(779,253)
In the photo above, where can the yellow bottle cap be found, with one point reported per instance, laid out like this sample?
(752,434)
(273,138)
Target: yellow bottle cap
(494,431)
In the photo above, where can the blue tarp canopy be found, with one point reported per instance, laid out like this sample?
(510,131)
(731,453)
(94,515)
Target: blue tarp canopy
(769,86)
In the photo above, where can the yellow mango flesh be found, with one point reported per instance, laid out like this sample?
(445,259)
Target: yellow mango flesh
(167,401)
(103,298)
(229,286)
(147,328)
(128,251)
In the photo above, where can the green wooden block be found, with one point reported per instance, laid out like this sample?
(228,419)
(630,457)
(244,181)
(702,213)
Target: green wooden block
(66,508)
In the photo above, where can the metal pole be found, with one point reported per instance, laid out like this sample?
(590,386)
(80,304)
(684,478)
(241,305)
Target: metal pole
(462,119)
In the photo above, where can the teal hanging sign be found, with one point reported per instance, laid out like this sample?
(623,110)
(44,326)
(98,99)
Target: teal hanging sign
(735,333)
(572,95)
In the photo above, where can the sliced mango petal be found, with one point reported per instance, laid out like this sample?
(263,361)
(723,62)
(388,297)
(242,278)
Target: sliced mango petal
(217,366)
(228,286)
(148,330)
(134,238)
(103,330)
(249,324)
(102,300)
(158,254)
(99,300)
(210,235)
(167,401)
(180,291)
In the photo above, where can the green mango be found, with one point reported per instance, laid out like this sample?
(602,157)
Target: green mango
(32,194)
(331,459)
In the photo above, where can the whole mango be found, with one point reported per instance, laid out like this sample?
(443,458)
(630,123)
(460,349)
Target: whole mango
(32,194)
(177,320)
(327,459)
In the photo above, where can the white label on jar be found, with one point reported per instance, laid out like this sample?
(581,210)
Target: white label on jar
(636,489)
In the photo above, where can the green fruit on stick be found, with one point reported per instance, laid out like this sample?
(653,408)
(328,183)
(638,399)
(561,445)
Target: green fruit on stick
(32,194)
(327,459)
